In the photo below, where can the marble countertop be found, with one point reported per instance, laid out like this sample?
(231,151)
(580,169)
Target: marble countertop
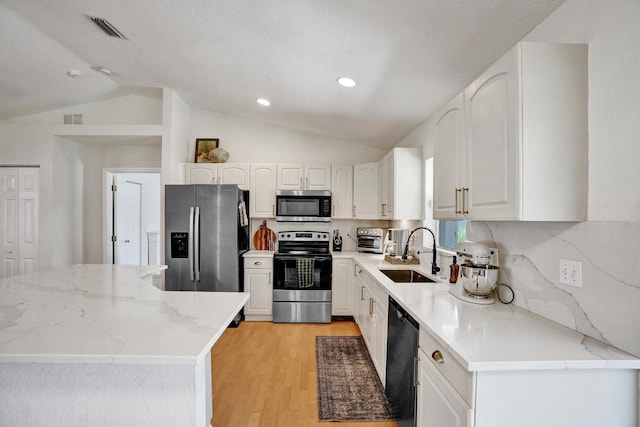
(108,314)
(496,337)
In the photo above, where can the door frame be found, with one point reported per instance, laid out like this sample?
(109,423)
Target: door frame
(107,206)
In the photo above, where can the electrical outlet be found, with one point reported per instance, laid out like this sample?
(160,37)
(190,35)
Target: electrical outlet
(571,273)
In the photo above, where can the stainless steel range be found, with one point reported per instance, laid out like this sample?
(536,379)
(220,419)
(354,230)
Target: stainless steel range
(302,278)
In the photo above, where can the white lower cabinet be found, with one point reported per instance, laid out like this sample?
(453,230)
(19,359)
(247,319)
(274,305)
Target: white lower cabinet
(380,309)
(439,404)
(360,301)
(370,312)
(449,395)
(341,292)
(258,281)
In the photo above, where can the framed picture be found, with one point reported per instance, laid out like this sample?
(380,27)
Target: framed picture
(203,147)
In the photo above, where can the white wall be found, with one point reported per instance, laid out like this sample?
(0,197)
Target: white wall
(123,110)
(175,142)
(606,307)
(256,142)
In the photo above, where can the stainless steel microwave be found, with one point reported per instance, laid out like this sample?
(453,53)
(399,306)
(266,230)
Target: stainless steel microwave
(303,205)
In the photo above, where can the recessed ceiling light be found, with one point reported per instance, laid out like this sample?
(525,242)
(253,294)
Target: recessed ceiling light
(263,102)
(74,74)
(346,81)
(103,70)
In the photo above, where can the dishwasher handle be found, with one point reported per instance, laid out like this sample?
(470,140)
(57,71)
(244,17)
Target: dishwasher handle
(401,313)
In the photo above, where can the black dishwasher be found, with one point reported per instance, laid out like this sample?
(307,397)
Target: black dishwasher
(402,364)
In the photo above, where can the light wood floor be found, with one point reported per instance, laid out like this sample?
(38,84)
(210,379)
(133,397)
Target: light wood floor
(264,374)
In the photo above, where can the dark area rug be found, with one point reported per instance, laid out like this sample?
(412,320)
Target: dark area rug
(348,386)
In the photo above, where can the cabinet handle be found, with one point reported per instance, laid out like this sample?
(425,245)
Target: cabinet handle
(269,277)
(273,210)
(382,209)
(437,356)
(458,191)
(257,263)
(361,293)
(353,211)
(465,209)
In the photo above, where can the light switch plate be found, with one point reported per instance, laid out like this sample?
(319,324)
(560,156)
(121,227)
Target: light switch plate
(571,273)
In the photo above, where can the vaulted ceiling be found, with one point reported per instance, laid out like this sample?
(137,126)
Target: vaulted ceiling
(407,56)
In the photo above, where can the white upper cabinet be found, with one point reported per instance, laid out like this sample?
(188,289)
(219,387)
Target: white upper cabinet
(317,177)
(522,152)
(234,173)
(365,191)
(218,173)
(262,195)
(304,177)
(448,152)
(342,191)
(401,184)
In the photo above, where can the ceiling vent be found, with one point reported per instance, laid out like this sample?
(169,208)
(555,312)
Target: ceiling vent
(107,27)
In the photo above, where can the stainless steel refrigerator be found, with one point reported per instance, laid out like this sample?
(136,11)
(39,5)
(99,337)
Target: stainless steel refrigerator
(206,233)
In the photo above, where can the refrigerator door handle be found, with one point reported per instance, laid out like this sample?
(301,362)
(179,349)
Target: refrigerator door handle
(191,243)
(196,248)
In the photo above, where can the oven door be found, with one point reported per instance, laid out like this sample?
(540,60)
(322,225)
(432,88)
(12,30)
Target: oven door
(302,272)
(370,244)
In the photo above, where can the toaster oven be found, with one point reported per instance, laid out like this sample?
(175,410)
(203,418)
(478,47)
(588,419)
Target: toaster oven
(370,240)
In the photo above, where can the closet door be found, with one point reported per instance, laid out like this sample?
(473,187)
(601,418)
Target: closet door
(19,220)
(9,225)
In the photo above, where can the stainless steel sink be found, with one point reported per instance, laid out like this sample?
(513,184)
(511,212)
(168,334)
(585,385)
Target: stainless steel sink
(406,276)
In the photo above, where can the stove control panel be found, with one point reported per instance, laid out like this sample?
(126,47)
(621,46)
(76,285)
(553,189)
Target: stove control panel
(303,236)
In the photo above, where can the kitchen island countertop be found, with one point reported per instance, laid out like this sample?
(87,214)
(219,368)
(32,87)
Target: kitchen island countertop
(108,314)
(106,345)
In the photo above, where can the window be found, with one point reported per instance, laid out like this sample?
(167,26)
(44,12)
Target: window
(448,233)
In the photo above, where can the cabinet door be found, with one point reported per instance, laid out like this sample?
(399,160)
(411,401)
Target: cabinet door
(262,196)
(201,173)
(342,191)
(386,186)
(492,149)
(290,176)
(448,160)
(365,191)
(257,281)
(438,403)
(380,339)
(317,177)
(360,301)
(341,287)
(234,173)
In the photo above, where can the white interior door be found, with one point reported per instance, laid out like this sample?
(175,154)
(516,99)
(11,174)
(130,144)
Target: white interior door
(19,219)
(127,221)
(9,222)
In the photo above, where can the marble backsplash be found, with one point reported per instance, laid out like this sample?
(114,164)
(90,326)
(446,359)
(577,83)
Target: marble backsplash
(607,307)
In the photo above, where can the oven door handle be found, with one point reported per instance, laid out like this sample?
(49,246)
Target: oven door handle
(295,257)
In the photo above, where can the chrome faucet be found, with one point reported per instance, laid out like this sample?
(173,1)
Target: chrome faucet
(434,265)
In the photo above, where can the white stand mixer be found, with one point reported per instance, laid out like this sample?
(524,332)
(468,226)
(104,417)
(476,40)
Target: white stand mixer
(478,273)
